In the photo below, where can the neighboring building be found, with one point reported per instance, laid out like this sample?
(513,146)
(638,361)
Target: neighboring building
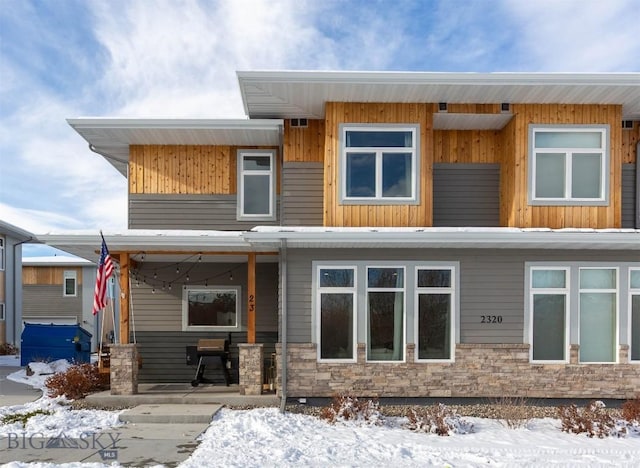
(59,290)
(11,240)
(392,234)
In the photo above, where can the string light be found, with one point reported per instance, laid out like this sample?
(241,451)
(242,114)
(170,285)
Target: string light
(155,275)
(199,257)
(230,275)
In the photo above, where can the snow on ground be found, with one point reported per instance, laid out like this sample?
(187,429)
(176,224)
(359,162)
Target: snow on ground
(41,371)
(10,360)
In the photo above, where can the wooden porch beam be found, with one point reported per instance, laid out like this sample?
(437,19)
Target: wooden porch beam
(124,297)
(251,298)
(182,252)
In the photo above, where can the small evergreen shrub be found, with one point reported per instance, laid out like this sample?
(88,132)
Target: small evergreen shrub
(437,419)
(592,420)
(76,382)
(347,407)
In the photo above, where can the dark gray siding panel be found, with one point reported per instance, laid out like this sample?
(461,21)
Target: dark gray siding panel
(171,211)
(629,196)
(466,195)
(162,310)
(164,355)
(302,193)
(47,301)
(491,283)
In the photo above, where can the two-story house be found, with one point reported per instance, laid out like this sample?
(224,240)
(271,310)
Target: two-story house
(390,234)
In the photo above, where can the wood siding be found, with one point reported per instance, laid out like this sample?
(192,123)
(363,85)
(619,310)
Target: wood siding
(466,146)
(45,300)
(629,197)
(185,169)
(175,211)
(337,214)
(302,191)
(44,275)
(162,310)
(515,210)
(304,144)
(630,139)
(466,195)
(491,283)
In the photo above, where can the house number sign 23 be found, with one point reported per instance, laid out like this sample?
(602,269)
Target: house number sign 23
(252,303)
(491,319)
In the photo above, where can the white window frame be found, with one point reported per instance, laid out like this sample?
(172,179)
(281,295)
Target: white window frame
(271,173)
(567,200)
(1,253)
(69,275)
(616,291)
(403,289)
(452,291)
(2,312)
(336,290)
(185,308)
(632,292)
(566,291)
(378,199)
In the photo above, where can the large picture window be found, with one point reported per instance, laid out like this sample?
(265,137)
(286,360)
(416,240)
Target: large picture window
(598,314)
(385,313)
(336,296)
(549,303)
(379,164)
(434,318)
(211,308)
(568,165)
(634,306)
(256,184)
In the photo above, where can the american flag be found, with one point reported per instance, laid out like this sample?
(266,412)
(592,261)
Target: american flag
(105,268)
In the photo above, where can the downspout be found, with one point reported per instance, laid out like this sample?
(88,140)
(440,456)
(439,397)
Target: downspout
(283,318)
(638,185)
(16,335)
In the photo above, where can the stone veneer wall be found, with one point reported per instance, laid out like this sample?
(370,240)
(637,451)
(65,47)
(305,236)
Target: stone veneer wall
(479,370)
(250,368)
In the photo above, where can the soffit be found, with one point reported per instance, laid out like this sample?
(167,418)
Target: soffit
(303,94)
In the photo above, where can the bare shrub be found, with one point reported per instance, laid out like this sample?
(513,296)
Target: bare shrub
(437,419)
(592,420)
(76,382)
(347,407)
(514,412)
(631,411)
(7,349)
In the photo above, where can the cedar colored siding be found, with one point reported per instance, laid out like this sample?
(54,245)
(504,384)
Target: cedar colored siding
(44,275)
(467,146)
(336,214)
(304,144)
(515,210)
(630,138)
(491,283)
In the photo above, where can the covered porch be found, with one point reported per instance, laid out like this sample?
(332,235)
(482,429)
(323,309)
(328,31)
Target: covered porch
(174,288)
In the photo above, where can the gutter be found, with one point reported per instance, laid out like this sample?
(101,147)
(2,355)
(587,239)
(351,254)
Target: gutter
(283,317)
(16,335)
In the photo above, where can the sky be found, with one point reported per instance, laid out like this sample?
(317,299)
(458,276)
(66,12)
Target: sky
(64,59)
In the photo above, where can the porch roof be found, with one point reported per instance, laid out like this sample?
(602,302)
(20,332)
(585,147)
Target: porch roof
(453,238)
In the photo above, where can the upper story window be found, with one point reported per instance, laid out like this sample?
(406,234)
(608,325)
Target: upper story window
(379,164)
(568,165)
(256,185)
(211,308)
(70,282)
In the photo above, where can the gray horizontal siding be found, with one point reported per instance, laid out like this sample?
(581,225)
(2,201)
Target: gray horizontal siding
(302,193)
(174,211)
(491,283)
(162,310)
(164,355)
(466,195)
(48,301)
(629,197)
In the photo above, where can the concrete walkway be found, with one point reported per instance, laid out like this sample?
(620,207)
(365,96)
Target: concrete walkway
(13,393)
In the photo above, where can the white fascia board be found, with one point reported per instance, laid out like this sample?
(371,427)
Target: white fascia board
(489,238)
(173,124)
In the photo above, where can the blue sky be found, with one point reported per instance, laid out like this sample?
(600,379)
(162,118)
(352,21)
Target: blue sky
(177,58)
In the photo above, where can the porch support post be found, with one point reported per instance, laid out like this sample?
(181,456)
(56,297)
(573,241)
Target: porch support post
(250,363)
(124,298)
(251,298)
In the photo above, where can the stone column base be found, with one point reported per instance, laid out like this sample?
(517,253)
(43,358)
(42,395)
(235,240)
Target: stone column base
(250,368)
(124,369)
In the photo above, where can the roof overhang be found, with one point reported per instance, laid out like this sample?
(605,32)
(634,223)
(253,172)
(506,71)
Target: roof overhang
(303,94)
(15,232)
(111,137)
(449,238)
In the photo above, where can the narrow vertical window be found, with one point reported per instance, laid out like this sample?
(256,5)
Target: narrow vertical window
(549,301)
(2,317)
(598,303)
(336,302)
(634,302)
(385,313)
(70,280)
(435,302)
(1,253)
(256,184)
